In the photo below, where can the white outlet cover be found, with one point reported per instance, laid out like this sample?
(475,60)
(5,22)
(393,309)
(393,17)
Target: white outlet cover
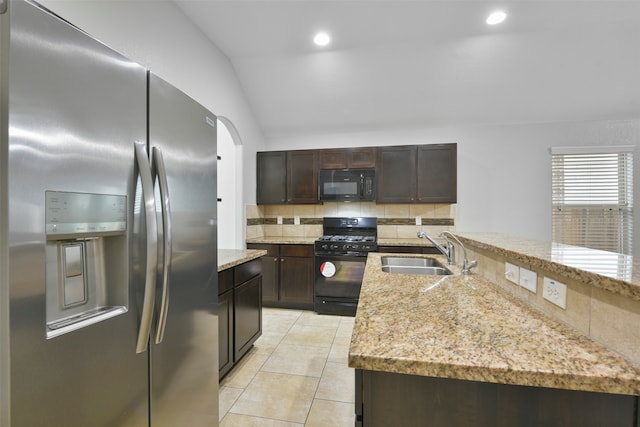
(279,220)
(555,292)
(296,220)
(512,273)
(529,279)
(418,220)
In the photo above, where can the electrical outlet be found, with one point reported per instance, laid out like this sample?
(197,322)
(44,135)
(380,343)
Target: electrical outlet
(418,220)
(279,219)
(528,280)
(512,273)
(296,219)
(555,292)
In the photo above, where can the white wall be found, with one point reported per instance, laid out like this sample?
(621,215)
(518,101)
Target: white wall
(229,210)
(504,171)
(157,35)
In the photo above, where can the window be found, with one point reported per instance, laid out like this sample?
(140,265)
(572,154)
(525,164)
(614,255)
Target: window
(592,191)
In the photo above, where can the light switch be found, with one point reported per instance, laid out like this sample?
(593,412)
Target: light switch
(512,273)
(529,279)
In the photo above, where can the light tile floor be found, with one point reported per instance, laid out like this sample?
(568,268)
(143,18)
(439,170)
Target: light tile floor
(296,374)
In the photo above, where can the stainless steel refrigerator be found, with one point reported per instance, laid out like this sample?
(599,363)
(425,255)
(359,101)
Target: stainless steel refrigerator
(108,236)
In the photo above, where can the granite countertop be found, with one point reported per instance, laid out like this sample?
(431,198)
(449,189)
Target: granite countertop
(406,241)
(280,240)
(228,258)
(613,272)
(465,327)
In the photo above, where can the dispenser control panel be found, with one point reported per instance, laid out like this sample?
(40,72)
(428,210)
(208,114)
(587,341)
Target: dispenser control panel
(69,214)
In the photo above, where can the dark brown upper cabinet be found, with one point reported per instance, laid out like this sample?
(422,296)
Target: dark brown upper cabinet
(405,173)
(396,174)
(437,173)
(417,174)
(271,177)
(287,177)
(302,176)
(343,158)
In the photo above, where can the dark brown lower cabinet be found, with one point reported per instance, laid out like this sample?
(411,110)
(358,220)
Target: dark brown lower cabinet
(287,275)
(387,399)
(239,312)
(225,332)
(247,314)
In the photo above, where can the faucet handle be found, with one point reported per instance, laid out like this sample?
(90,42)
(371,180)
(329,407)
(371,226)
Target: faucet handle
(452,253)
(468,265)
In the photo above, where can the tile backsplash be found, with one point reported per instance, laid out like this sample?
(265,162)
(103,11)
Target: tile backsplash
(394,220)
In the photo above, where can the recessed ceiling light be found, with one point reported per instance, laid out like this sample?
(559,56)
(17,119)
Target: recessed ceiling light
(322,39)
(496,17)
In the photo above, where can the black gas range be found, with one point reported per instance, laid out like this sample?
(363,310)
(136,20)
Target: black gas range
(340,257)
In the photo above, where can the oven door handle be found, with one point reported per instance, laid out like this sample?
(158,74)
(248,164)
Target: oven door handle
(345,303)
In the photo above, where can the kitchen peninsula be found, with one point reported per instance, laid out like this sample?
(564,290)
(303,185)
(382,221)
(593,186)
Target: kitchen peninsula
(239,304)
(461,350)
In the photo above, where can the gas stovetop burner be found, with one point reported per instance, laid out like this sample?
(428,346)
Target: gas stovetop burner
(346,238)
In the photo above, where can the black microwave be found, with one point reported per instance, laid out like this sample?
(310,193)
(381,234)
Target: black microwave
(347,185)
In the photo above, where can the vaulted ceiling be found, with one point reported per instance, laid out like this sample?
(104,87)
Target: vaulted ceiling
(397,63)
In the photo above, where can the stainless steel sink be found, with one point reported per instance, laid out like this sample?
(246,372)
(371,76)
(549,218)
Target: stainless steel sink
(402,265)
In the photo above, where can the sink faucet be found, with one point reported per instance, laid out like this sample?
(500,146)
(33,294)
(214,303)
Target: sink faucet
(466,264)
(448,251)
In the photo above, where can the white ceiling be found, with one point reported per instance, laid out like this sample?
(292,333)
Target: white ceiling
(427,63)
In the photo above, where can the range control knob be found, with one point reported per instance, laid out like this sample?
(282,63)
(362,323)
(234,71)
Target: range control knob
(333,247)
(325,247)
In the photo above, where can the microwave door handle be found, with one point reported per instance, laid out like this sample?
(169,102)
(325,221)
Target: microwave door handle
(148,199)
(361,185)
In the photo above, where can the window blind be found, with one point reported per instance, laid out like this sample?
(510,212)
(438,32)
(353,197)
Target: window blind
(592,197)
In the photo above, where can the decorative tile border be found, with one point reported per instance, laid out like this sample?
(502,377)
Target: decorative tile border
(381,221)
(412,221)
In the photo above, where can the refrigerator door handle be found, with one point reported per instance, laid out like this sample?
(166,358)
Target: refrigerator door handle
(160,173)
(149,202)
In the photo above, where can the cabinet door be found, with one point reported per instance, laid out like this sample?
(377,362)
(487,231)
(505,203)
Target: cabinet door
(396,170)
(271,177)
(333,159)
(437,173)
(270,272)
(247,315)
(361,157)
(302,176)
(225,332)
(296,282)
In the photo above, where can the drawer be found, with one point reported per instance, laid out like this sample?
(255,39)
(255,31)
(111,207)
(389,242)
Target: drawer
(246,271)
(296,250)
(272,250)
(225,280)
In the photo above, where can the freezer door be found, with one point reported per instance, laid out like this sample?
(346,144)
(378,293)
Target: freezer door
(184,359)
(76,109)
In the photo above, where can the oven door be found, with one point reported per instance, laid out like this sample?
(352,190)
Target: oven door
(337,283)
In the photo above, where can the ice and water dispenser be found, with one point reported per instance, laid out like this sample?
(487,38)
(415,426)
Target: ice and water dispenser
(87,268)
